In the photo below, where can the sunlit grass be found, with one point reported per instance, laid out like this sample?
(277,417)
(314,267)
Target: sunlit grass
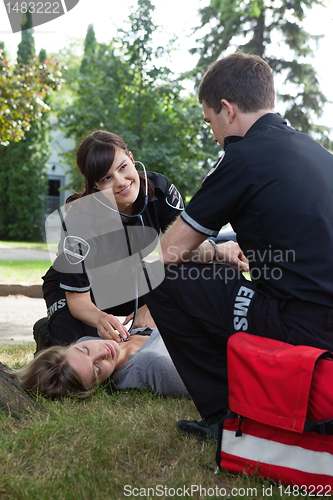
(17,356)
(110,447)
(17,271)
(24,244)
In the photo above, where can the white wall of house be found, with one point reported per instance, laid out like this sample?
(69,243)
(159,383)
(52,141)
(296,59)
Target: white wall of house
(57,171)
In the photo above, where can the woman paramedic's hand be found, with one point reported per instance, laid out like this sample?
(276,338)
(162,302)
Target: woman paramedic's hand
(109,327)
(82,308)
(143,318)
(231,253)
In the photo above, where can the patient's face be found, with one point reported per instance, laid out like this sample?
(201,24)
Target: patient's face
(94,360)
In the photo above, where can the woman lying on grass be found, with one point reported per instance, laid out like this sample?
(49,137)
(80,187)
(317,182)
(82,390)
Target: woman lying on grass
(143,362)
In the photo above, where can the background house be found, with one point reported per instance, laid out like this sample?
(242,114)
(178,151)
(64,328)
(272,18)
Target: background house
(58,171)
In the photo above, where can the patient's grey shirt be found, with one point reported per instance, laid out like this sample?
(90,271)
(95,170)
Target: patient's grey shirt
(150,368)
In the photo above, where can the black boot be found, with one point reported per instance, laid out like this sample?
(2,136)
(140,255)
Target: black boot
(204,429)
(41,334)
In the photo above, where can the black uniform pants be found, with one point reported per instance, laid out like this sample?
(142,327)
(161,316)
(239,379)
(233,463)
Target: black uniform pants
(199,306)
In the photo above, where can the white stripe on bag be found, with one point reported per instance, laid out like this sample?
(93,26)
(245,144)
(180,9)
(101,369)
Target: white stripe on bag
(278,454)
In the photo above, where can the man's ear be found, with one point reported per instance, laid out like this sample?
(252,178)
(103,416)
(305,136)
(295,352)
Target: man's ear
(230,108)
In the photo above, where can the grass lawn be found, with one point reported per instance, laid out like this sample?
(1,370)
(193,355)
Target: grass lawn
(110,447)
(16,271)
(23,244)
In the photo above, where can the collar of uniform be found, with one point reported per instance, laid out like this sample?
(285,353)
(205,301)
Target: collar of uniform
(271,119)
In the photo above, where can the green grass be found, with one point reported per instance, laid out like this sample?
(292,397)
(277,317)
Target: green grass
(16,271)
(104,447)
(24,244)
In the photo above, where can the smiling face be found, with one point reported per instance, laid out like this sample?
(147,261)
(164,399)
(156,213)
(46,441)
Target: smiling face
(122,180)
(94,360)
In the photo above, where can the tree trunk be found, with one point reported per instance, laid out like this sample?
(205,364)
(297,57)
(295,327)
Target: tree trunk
(13,399)
(258,35)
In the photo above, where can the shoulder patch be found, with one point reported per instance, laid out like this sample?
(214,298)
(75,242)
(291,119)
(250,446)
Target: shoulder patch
(75,249)
(214,167)
(174,198)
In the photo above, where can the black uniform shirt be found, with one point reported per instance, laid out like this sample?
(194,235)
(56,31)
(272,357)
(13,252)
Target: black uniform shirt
(104,247)
(275,186)
(160,213)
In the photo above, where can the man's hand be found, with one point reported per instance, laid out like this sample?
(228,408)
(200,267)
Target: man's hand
(231,253)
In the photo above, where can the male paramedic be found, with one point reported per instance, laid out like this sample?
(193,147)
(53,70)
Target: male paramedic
(275,186)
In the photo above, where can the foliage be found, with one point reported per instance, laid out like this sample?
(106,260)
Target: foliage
(90,44)
(23,184)
(23,180)
(42,55)
(123,88)
(23,91)
(26,47)
(260,27)
(69,59)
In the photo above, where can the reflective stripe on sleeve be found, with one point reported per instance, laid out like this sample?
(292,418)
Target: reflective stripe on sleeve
(75,289)
(197,227)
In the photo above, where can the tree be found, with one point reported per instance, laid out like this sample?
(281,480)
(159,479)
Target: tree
(260,27)
(127,92)
(23,180)
(90,44)
(42,56)
(69,59)
(23,90)
(14,400)
(26,48)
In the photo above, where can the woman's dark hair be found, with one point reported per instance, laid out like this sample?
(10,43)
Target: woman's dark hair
(94,158)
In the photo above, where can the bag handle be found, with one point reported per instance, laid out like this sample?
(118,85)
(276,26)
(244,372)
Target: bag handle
(323,427)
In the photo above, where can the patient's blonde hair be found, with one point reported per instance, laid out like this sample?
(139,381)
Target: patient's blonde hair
(50,374)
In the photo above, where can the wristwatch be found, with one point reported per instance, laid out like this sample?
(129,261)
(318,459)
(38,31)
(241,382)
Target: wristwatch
(216,250)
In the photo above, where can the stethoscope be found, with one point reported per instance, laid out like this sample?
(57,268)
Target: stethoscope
(132,216)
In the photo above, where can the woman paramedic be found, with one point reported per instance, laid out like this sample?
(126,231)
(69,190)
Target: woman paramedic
(119,194)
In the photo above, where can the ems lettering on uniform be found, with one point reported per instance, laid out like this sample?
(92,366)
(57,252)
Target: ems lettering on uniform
(241,307)
(58,304)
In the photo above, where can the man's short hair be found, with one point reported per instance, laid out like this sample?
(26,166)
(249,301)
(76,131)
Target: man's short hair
(243,79)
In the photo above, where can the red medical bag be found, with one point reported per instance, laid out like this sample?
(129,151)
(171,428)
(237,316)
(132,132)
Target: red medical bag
(280,424)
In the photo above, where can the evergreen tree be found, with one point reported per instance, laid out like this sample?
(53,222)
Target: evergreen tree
(23,178)
(3,58)
(42,55)
(90,44)
(252,26)
(2,49)
(26,47)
